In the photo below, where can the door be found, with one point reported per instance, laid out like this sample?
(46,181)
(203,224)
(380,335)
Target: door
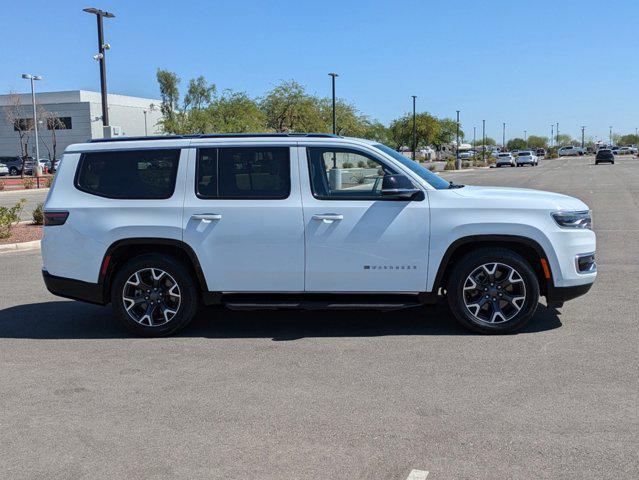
(243,218)
(356,240)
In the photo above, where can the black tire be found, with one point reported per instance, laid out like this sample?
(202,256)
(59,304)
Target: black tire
(188,303)
(474,261)
(13,171)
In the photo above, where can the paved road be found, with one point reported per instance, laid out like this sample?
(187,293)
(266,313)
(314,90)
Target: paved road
(297,395)
(33,197)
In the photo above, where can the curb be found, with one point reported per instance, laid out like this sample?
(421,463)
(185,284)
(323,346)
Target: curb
(24,191)
(20,247)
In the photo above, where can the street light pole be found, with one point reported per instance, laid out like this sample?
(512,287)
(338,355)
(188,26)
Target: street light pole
(583,129)
(333,75)
(526,138)
(483,142)
(457,160)
(474,139)
(146,132)
(102,48)
(503,136)
(610,136)
(414,128)
(552,134)
(558,145)
(38,169)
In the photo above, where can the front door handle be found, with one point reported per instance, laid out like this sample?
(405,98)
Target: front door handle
(208,217)
(329,217)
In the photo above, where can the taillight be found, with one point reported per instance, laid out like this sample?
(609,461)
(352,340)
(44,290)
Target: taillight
(51,219)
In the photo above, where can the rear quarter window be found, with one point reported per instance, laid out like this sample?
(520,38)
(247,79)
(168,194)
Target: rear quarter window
(128,174)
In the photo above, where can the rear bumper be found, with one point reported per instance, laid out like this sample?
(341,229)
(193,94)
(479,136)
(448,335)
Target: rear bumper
(559,295)
(74,289)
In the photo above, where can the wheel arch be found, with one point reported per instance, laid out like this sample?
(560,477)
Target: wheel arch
(528,248)
(120,251)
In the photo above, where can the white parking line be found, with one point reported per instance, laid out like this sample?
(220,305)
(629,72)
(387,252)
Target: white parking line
(417,475)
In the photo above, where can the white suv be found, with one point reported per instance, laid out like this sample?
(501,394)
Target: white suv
(157,226)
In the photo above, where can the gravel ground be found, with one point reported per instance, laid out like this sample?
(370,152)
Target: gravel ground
(23,232)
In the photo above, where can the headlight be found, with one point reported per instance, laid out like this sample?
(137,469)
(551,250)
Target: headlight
(573,219)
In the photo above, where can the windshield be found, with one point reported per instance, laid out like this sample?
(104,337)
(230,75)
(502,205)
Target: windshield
(504,155)
(433,180)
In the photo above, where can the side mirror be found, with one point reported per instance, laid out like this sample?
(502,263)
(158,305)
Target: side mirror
(399,187)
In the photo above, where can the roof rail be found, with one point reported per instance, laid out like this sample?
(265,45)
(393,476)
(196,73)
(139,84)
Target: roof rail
(211,135)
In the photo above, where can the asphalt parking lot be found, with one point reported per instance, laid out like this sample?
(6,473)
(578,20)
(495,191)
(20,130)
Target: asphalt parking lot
(339,395)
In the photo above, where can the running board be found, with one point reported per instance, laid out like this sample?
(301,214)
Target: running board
(236,301)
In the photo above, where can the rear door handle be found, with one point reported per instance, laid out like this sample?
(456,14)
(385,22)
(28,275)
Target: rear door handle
(209,217)
(329,217)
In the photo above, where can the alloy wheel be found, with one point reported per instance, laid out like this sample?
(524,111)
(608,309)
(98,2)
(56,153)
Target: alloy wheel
(494,293)
(151,297)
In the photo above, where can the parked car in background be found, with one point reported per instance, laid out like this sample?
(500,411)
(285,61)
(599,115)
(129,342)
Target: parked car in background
(3,170)
(570,151)
(604,155)
(466,155)
(14,164)
(505,159)
(527,157)
(623,150)
(145,225)
(541,152)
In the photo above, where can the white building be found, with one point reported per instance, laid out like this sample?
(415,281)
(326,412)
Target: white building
(80,112)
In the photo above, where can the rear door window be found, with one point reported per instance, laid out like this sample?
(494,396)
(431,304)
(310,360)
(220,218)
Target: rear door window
(129,174)
(243,173)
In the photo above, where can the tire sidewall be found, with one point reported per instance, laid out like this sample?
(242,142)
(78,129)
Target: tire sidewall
(188,293)
(469,263)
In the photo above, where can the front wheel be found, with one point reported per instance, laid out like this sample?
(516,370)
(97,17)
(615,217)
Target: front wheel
(154,295)
(493,290)
(13,171)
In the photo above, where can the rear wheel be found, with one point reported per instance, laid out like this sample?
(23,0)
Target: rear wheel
(493,290)
(13,171)
(154,295)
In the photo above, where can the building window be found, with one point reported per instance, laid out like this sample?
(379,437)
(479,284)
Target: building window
(59,123)
(23,124)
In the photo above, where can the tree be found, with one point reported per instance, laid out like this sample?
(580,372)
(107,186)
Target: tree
(564,139)
(400,132)
(13,113)
(170,95)
(53,123)
(447,133)
(288,108)
(236,112)
(535,141)
(489,141)
(516,144)
(630,139)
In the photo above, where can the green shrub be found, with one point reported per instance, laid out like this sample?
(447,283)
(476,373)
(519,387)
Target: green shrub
(48,181)
(450,165)
(9,216)
(347,165)
(2,185)
(38,215)
(432,168)
(361,164)
(466,164)
(28,183)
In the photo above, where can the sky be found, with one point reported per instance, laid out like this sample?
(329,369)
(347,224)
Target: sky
(529,64)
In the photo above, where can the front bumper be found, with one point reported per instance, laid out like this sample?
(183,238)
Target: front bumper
(74,289)
(559,295)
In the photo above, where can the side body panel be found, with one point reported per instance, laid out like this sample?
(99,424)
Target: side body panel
(251,245)
(377,245)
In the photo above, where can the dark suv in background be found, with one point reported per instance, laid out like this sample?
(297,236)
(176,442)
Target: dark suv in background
(605,155)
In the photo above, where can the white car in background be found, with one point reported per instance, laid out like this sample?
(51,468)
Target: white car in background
(3,170)
(505,158)
(570,151)
(527,157)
